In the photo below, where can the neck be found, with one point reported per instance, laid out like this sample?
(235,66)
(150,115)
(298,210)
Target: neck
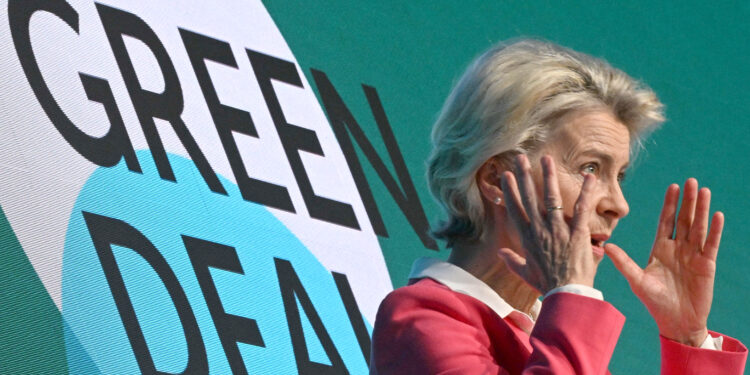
(481,260)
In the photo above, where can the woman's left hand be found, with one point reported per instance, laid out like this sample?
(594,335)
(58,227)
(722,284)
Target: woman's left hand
(677,284)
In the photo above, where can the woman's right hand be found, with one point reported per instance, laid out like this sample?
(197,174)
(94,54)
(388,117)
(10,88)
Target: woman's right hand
(557,253)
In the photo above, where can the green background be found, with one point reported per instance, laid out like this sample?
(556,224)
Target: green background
(695,55)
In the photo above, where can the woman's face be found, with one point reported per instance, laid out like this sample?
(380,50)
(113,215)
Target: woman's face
(595,143)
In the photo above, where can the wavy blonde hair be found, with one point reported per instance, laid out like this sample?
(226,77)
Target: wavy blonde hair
(506,103)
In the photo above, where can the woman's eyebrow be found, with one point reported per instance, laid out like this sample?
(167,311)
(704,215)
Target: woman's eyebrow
(604,156)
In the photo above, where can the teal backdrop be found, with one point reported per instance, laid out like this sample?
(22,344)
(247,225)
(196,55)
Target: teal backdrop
(694,54)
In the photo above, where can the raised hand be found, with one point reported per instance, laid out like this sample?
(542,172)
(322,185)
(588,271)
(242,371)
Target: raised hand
(556,253)
(677,284)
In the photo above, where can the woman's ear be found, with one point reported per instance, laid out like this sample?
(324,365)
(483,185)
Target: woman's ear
(488,180)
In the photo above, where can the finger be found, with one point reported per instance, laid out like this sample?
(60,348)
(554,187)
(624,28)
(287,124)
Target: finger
(515,262)
(513,202)
(526,188)
(582,209)
(699,228)
(711,249)
(687,209)
(627,267)
(665,228)
(551,190)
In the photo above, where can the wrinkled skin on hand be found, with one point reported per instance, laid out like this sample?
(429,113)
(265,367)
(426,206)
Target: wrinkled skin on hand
(557,253)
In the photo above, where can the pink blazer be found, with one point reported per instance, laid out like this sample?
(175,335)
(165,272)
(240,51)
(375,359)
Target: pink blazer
(426,328)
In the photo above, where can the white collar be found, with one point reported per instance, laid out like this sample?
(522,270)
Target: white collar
(460,281)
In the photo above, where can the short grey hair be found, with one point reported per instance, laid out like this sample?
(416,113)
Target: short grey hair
(506,103)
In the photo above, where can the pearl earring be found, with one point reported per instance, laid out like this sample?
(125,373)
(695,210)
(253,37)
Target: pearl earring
(498,200)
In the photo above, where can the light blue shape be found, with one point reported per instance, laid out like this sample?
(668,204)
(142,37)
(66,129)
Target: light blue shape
(315,349)
(163,211)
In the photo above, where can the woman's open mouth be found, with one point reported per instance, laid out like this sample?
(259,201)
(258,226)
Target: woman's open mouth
(597,243)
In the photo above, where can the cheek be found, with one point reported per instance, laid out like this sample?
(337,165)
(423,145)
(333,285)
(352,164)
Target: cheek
(570,189)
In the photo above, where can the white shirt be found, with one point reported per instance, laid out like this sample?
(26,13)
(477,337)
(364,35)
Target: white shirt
(461,281)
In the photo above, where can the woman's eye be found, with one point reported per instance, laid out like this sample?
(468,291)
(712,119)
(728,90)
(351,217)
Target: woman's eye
(590,168)
(620,177)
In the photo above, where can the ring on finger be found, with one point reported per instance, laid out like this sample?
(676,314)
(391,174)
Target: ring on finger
(553,208)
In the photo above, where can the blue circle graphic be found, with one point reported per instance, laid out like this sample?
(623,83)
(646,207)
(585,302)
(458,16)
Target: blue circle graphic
(163,211)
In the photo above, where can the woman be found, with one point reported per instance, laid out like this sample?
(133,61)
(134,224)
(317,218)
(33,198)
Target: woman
(528,155)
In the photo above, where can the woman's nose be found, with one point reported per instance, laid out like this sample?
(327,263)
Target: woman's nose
(613,203)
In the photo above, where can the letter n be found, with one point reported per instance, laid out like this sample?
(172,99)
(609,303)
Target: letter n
(343,123)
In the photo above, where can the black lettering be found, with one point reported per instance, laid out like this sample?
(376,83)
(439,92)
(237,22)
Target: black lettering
(355,316)
(342,120)
(105,151)
(98,90)
(291,292)
(167,105)
(231,328)
(106,232)
(295,138)
(228,120)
